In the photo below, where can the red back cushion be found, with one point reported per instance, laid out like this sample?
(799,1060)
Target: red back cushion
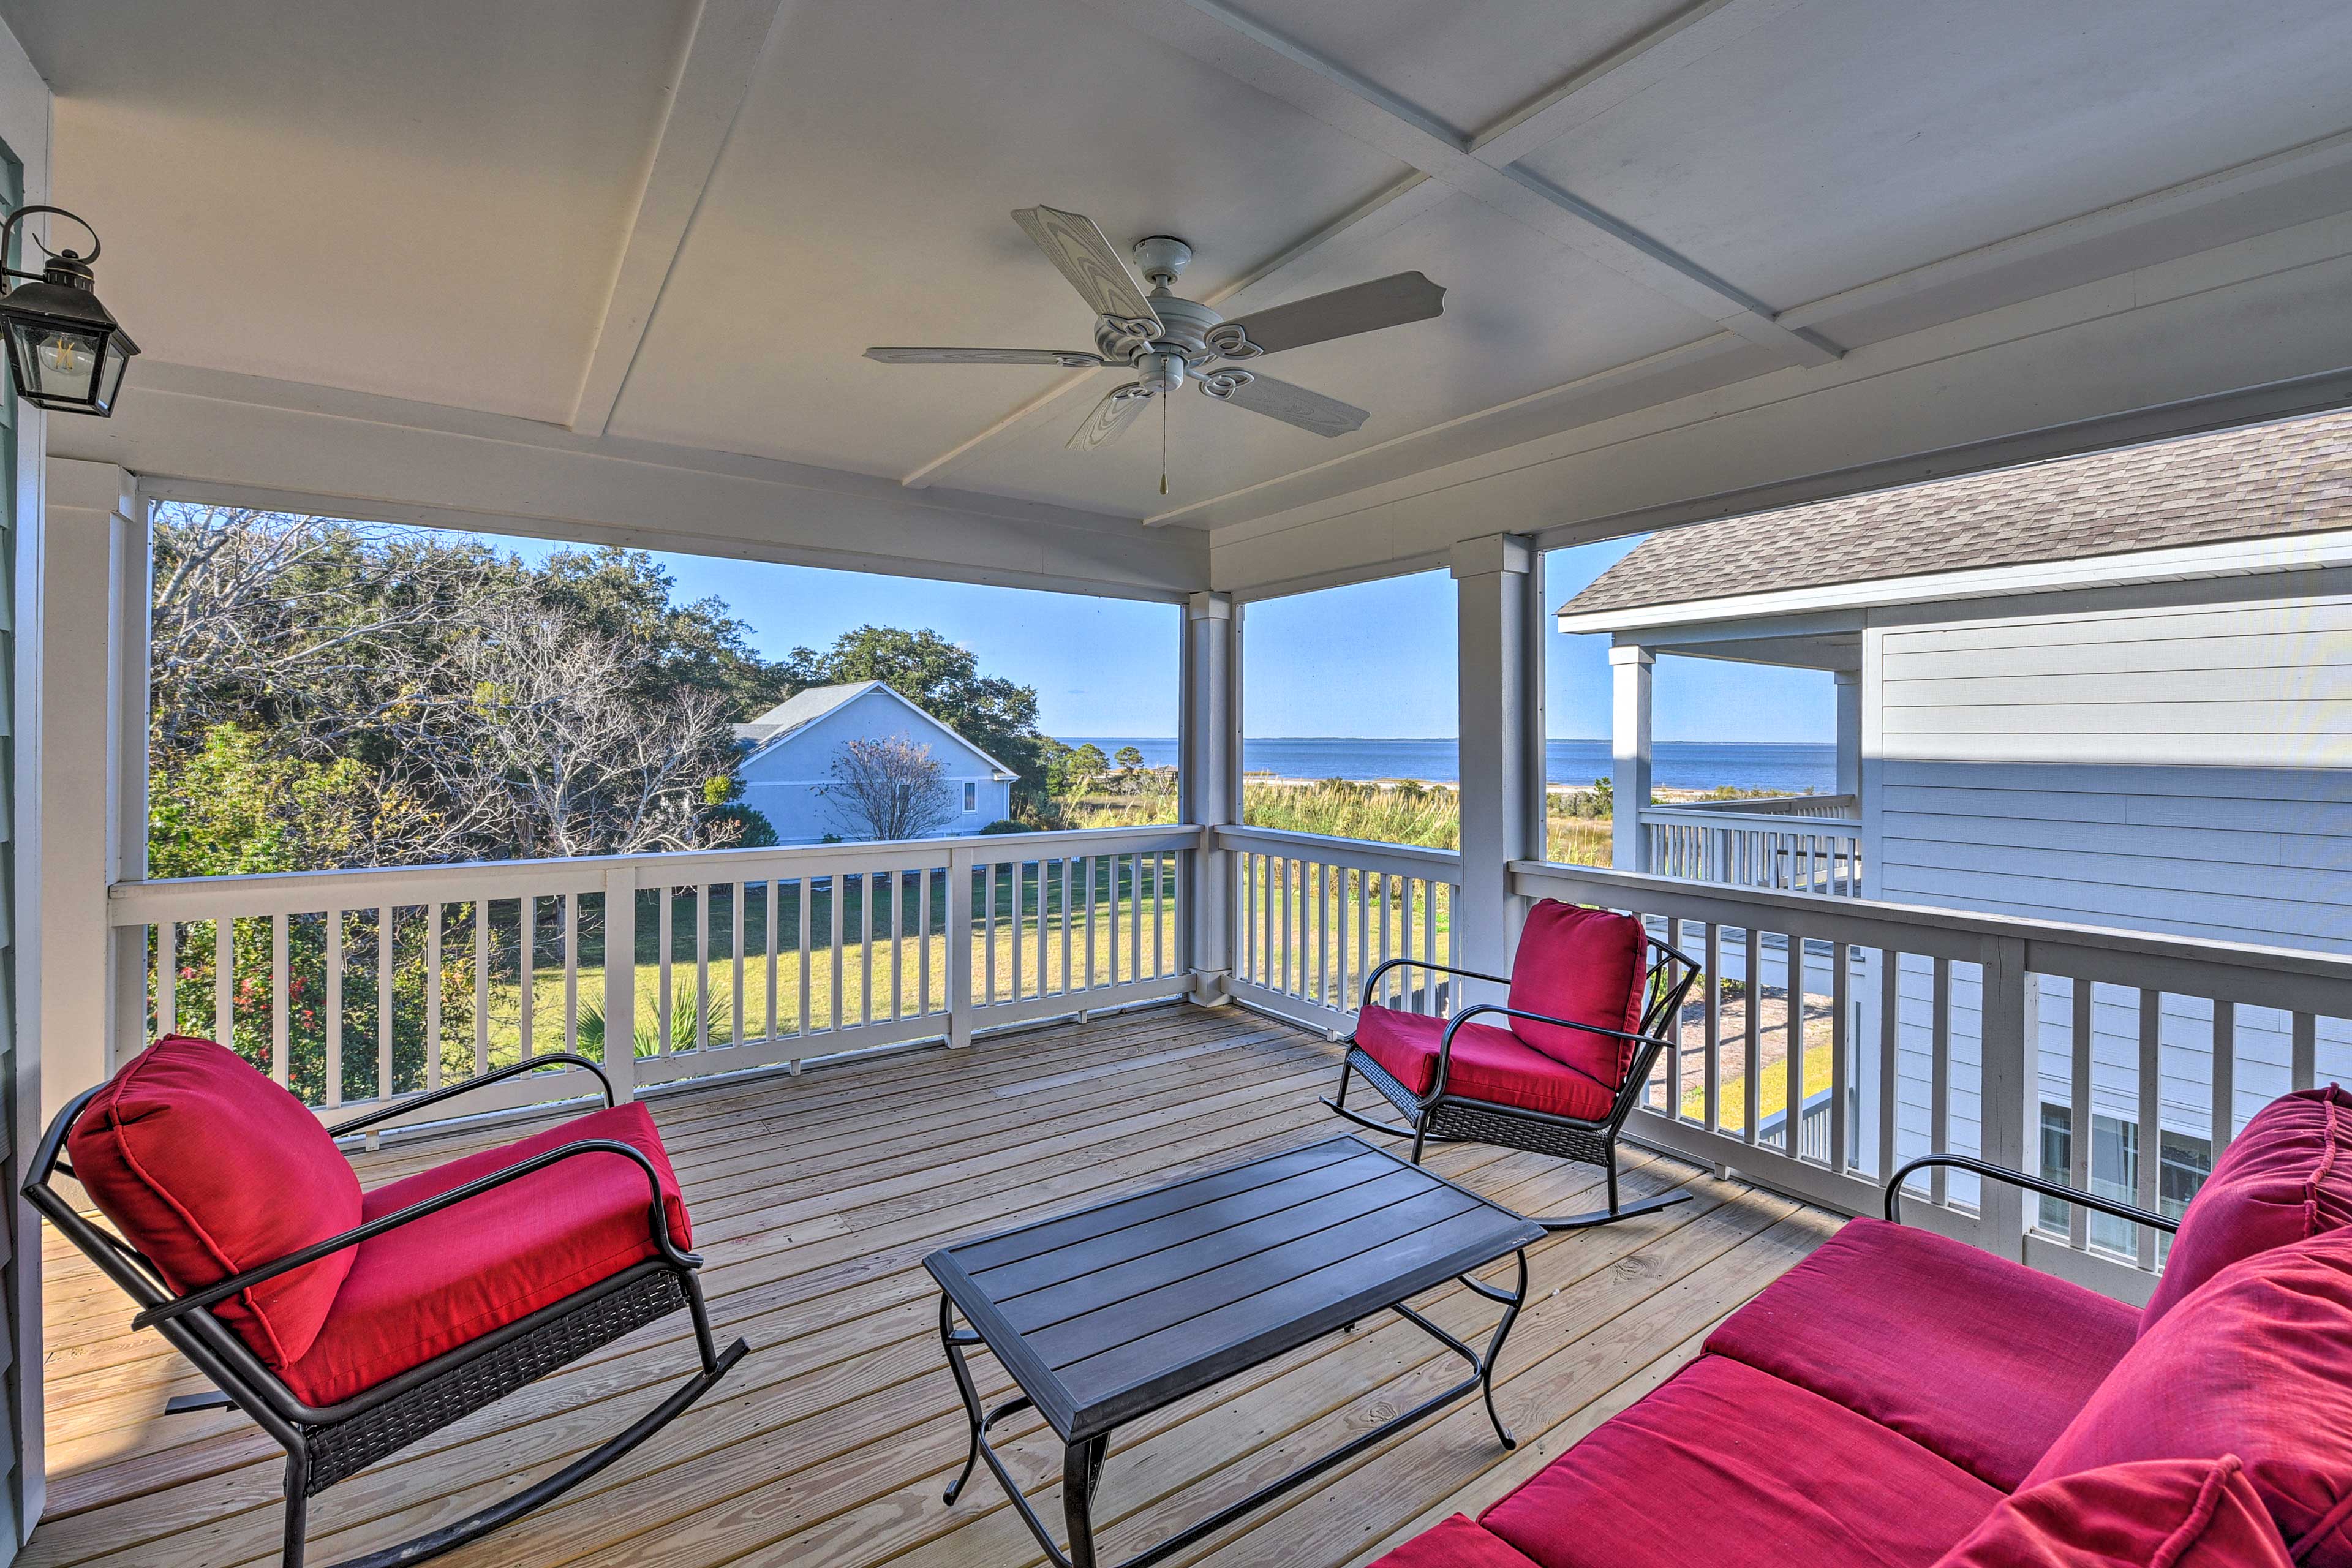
(2157,1513)
(210,1169)
(2257,1362)
(1586,965)
(2287,1176)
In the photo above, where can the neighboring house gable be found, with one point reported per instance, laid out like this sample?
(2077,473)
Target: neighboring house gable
(787,768)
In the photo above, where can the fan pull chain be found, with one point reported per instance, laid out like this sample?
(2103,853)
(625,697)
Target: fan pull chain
(1164,401)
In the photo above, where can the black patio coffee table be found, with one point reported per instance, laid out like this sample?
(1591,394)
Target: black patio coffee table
(1115,1312)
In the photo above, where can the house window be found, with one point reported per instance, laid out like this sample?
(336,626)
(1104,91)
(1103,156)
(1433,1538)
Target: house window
(972,797)
(2184,1163)
(2057,1163)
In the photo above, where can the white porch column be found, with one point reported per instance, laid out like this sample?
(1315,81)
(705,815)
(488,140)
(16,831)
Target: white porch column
(1208,782)
(93,582)
(1499,655)
(1849,731)
(1629,753)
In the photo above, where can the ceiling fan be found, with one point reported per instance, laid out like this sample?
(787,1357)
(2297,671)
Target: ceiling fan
(1164,338)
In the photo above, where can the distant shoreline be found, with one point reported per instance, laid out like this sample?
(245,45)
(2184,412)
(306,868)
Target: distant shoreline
(1693,766)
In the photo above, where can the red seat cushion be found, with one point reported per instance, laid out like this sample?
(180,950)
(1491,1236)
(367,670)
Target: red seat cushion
(2287,1176)
(2159,1513)
(437,1283)
(210,1169)
(1586,965)
(1453,1543)
(1487,1064)
(1731,1468)
(2257,1363)
(1980,1360)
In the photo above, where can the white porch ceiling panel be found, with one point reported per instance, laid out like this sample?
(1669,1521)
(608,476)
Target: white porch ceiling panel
(670,228)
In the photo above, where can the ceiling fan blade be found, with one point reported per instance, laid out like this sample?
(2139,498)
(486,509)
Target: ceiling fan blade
(1112,415)
(1343,312)
(1069,359)
(1073,245)
(1280,400)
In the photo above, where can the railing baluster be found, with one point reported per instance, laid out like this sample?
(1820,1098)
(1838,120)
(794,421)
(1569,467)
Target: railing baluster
(1019,876)
(1939,1060)
(807,981)
(737,912)
(702,1001)
(866,946)
(571,971)
(2303,1060)
(1429,938)
(2078,1113)
(526,968)
(988,924)
(1751,1035)
(1792,1119)
(898,945)
(1135,918)
(1840,1043)
(224,981)
(281,1009)
(2151,1111)
(2225,1076)
(837,888)
(768,941)
(1159,913)
(334,1008)
(1711,1023)
(1090,921)
(923,937)
(481,986)
(433,918)
(1890,1056)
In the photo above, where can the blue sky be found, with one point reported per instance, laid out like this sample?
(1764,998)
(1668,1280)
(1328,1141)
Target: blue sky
(1375,659)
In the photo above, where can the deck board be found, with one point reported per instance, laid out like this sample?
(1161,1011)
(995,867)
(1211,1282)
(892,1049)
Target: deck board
(814,1199)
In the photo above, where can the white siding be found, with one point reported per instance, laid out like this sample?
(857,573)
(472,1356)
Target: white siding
(2180,769)
(785,782)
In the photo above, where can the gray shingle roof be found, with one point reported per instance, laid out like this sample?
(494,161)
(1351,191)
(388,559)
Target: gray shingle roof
(2267,479)
(801,707)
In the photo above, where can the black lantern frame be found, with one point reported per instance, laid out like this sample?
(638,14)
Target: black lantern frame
(66,352)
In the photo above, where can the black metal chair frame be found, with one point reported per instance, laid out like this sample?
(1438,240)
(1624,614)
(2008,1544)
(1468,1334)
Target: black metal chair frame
(1442,1117)
(331,1443)
(2048,1189)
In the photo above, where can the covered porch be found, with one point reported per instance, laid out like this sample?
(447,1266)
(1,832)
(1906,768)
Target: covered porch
(681,224)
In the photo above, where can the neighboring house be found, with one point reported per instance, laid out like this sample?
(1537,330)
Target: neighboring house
(788,753)
(2114,689)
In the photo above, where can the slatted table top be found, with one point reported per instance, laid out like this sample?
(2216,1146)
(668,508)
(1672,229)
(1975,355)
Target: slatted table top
(1117,1310)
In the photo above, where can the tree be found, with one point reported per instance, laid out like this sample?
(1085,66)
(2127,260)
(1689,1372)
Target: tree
(888,788)
(996,715)
(1129,758)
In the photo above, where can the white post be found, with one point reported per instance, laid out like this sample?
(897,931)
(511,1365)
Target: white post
(961,861)
(1849,731)
(1629,753)
(621,979)
(85,689)
(1208,786)
(1501,727)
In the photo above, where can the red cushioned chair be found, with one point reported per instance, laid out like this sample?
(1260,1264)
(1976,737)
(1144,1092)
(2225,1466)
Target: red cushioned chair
(349,1324)
(1591,996)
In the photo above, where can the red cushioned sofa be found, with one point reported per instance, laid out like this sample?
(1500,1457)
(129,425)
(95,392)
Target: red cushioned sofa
(1902,1400)
(348,1323)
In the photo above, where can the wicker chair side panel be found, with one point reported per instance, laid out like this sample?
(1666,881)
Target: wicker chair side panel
(1479,1124)
(341,1450)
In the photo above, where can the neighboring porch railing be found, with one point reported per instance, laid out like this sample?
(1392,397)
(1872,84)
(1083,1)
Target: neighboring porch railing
(1801,843)
(1314,915)
(355,986)
(1914,1029)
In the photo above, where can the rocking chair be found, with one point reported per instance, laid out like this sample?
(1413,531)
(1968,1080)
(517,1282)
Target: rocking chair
(350,1325)
(1591,996)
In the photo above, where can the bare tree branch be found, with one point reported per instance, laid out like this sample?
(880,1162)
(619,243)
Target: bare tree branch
(888,788)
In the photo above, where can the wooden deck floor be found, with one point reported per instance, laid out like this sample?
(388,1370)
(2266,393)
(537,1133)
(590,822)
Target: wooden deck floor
(814,1199)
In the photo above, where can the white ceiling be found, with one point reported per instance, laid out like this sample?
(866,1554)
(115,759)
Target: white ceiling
(460,204)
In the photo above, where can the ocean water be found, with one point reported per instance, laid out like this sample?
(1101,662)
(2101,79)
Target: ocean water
(1677,765)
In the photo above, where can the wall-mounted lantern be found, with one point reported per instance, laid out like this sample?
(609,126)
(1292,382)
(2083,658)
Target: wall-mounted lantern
(65,351)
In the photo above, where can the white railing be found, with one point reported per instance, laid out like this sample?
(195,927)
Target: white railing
(356,986)
(1910,1030)
(1805,843)
(1314,915)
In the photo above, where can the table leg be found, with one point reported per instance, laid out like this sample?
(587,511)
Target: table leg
(952,1344)
(1082,1464)
(1511,1305)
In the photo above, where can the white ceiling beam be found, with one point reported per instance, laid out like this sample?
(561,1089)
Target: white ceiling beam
(1506,424)
(714,78)
(1318,85)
